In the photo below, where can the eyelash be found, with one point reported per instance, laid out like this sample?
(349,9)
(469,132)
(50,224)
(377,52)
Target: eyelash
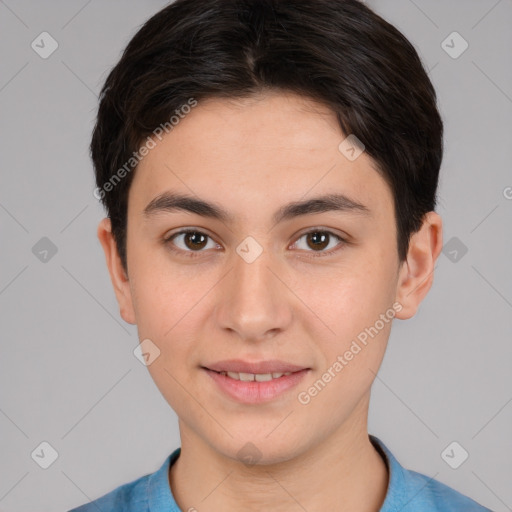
(195,254)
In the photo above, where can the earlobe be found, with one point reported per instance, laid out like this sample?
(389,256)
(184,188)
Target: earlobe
(118,276)
(417,273)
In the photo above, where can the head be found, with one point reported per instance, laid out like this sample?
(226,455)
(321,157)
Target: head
(249,108)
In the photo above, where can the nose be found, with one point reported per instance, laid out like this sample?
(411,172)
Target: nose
(254,301)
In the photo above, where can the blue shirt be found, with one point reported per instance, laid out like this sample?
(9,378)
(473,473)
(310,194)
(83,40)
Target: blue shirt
(408,491)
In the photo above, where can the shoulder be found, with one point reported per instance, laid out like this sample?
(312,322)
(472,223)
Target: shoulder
(148,492)
(410,491)
(428,494)
(128,497)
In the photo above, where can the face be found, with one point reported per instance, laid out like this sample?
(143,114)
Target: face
(265,282)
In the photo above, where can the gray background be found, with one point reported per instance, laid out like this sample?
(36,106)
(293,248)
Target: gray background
(68,375)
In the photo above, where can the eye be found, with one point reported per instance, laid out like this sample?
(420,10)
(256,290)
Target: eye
(319,240)
(192,242)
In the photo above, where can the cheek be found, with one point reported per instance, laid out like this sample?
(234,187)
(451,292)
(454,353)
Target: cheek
(160,295)
(170,321)
(168,306)
(350,298)
(357,305)
(350,359)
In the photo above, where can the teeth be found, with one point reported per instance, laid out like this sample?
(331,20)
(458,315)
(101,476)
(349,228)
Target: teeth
(258,377)
(262,377)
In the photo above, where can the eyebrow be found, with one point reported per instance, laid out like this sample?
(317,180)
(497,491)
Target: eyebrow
(172,202)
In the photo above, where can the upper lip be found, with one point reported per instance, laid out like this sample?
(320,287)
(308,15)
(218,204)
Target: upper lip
(240,366)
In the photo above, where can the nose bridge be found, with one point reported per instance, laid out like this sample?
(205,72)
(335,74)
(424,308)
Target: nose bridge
(255,302)
(251,273)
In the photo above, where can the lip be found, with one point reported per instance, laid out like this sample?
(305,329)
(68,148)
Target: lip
(240,366)
(254,392)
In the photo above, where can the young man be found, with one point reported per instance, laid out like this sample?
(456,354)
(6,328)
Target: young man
(269,169)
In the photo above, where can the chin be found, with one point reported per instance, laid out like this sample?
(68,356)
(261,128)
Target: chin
(260,450)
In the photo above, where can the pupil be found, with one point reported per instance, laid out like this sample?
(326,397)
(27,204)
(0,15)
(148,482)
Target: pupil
(191,236)
(319,237)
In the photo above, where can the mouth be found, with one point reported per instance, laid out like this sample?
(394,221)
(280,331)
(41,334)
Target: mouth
(239,366)
(254,377)
(253,383)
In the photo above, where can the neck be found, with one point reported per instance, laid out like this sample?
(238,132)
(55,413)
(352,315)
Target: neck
(344,473)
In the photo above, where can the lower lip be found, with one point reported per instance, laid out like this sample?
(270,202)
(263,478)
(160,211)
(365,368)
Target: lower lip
(254,392)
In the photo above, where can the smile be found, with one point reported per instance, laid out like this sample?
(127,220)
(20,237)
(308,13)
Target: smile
(259,377)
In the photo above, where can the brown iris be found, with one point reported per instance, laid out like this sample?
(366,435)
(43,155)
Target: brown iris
(195,240)
(320,239)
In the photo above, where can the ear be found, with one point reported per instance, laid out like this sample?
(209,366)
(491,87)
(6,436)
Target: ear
(118,276)
(417,272)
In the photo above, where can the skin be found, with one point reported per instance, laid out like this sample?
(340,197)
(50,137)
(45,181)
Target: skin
(251,157)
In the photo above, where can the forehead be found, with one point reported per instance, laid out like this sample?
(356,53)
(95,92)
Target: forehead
(252,153)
